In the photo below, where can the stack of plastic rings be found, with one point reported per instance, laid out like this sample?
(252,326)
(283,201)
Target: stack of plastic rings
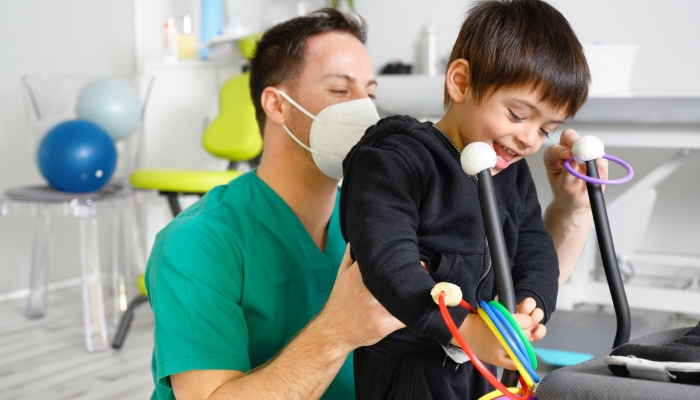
(513,340)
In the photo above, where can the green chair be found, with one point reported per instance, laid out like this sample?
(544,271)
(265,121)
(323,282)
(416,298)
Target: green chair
(234,135)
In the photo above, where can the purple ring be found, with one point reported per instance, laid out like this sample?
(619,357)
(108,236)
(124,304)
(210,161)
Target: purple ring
(630,172)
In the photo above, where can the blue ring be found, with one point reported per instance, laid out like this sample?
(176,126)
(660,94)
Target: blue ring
(507,335)
(511,331)
(525,361)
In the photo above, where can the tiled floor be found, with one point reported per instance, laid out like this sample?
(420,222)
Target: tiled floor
(46,358)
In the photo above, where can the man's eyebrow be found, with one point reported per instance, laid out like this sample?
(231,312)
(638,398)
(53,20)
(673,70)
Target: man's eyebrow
(534,107)
(348,78)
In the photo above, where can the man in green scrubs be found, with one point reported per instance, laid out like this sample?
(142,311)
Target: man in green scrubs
(239,275)
(250,296)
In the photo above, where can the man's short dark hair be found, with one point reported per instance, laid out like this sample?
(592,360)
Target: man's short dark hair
(279,57)
(523,43)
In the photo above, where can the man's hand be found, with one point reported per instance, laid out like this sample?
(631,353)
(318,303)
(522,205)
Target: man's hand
(352,313)
(569,191)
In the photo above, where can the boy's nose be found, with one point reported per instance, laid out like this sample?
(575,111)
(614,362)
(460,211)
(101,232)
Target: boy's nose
(528,137)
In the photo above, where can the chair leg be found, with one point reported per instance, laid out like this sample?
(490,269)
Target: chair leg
(38,281)
(174,202)
(120,273)
(134,233)
(126,321)
(93,305)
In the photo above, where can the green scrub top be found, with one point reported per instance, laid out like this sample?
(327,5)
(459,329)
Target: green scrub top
(233,278)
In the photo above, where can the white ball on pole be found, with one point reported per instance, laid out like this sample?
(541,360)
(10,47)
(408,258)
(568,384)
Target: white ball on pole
(588,148)
(477,157)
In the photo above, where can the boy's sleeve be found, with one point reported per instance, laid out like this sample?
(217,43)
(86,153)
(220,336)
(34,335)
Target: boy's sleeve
(536,269)
(381,217)
(194,286)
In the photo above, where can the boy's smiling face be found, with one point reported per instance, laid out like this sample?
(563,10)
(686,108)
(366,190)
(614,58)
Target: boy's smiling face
(513,120)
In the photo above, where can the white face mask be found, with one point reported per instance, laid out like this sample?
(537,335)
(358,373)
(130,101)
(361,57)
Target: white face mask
(334,131)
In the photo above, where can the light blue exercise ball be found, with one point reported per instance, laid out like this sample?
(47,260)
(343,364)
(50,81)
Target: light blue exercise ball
(77,156)
(112,104)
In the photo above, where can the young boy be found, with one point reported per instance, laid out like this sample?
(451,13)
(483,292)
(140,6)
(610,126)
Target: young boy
(516,72)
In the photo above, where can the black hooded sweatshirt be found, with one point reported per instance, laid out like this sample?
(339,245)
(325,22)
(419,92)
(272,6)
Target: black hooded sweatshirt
(405,198)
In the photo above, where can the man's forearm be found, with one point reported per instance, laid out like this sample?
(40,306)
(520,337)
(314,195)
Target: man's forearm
(303,370)
(569,230)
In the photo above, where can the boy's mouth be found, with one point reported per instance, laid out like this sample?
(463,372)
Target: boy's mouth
(504,155)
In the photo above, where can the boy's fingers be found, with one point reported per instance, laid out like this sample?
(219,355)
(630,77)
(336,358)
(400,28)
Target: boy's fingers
(602,168)
(538,332)
(555,154)
(568,138)
(507,363)
(537,315)
(524,320)
(527,306)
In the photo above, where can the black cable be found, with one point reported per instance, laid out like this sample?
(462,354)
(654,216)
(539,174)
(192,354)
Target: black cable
(607,253)
(499,254)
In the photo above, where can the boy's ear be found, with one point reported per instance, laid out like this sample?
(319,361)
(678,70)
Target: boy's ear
(457,80)
(272,102)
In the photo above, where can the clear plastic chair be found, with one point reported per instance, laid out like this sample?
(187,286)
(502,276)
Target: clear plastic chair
(50,100)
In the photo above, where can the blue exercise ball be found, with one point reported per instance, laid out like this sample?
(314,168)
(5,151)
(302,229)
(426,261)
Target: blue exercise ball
(77,156)
(112,104)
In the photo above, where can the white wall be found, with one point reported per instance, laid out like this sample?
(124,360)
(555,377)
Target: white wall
(94,37)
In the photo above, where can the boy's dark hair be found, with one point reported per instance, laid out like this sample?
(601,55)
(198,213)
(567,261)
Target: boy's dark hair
(279,56)
(523,43)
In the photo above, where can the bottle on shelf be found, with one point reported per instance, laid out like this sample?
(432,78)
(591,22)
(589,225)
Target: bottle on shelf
(425,52)
(186,41)
(170,39)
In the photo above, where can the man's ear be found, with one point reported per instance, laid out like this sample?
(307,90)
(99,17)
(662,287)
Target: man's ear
(271,101)
(457,80)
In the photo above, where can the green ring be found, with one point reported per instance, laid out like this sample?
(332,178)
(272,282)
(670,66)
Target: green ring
(516,326)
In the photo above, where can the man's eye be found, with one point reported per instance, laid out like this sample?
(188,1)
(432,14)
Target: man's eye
(514,117)
(342,92)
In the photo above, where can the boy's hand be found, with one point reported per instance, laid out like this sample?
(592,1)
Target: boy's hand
(570,192)
(484,343)
(527,310)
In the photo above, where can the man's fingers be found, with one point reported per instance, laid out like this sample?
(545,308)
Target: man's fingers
(347,261)
(425,266)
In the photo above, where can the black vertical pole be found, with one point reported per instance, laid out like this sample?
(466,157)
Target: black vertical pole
(499,254)
(607,253)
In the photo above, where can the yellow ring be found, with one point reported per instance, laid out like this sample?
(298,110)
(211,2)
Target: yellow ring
(523,372)
(497,393)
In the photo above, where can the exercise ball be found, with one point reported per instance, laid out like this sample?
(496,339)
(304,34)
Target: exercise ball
(77,156)
(112,104)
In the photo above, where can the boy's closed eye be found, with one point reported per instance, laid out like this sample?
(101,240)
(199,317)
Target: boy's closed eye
(517,119)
